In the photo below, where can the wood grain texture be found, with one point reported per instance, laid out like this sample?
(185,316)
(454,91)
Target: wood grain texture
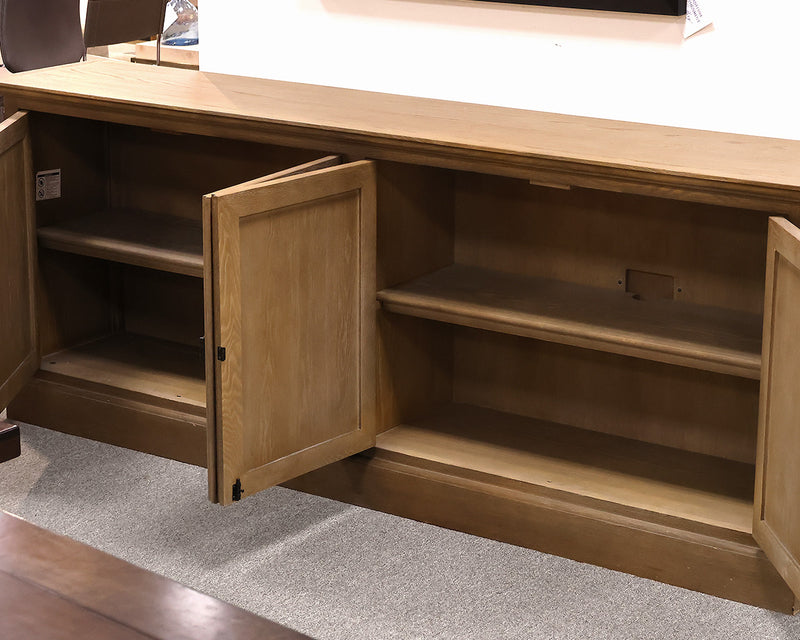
(414,236)
(18,327)
(678,407)
(545,147)
(210,342)
(715,255)
(416,221)
(776,519)
(145,369)
(415,368)
(211,303)
(165,172)
(78,299)
(162,305)
(30,611)
(106,415)
(627,472)
(80,149)
(166,243)
(666,331)
(294,266)
(55,588)
(693,556)
(313,165)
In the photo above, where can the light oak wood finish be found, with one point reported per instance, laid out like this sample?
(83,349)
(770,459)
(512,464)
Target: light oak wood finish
(414,236)
(97,413)
(55,588)
(80,149)
(627,472)
(666,331)
(162,305)
(662,404)
(776,521)
(149,240)
(552,148)
(728,565)
(18,329)
(78,299)
(214,436)
(164,172)
(166,373)
(415,373)
(714,255)
(210,342)
(293,278)
(660,231)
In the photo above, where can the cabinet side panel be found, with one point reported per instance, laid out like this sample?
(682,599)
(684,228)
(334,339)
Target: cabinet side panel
(414,237)
(669,405)
(415,221)
(415,374)
(77,299)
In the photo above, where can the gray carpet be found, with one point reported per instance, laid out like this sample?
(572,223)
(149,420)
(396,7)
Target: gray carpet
(335,571)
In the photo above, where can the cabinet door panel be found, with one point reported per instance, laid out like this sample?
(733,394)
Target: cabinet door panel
(18,348)
(293,297)
(776,524)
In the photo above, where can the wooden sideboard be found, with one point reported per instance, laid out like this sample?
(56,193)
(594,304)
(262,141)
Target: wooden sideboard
(544,329)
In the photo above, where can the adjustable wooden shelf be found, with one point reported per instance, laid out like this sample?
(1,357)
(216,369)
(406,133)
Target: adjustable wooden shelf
(548,330)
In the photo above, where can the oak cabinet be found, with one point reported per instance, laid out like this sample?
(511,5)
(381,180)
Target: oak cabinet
(146,310)
(543,329)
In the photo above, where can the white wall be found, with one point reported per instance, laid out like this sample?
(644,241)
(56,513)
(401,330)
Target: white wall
(739,75)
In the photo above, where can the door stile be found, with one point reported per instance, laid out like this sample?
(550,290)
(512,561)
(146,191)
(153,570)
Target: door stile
(19,357)
(776,514)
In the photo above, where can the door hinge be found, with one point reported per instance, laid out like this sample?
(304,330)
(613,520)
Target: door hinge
(237,490)
(221,354)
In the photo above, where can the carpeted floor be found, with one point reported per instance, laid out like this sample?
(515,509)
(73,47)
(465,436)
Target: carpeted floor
(335,571)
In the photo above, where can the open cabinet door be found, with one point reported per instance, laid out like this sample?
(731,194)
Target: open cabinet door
(291,299)
(776,523)
(18,342)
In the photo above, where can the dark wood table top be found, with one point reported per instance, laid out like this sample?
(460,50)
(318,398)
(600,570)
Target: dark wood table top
(56,588)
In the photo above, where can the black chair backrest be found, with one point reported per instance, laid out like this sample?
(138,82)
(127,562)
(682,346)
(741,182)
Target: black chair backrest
(40,33)
(113,21)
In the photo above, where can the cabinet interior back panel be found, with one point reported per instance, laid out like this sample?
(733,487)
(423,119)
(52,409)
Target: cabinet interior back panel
(713,255)
(169,173)
(78,148)
(163,305)
(675,406)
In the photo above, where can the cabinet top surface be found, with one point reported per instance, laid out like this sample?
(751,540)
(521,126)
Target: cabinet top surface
(317,115)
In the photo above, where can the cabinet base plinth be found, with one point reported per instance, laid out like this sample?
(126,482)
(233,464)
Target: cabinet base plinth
(114,420)
(710,560)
